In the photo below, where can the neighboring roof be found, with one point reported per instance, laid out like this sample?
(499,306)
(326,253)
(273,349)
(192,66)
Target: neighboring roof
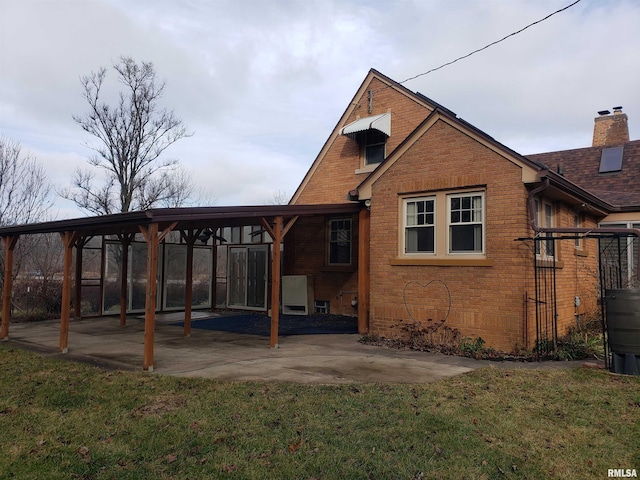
(186,218)
(582,167)
(381,122)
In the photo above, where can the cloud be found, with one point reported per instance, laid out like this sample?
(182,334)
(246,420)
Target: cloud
(262,84)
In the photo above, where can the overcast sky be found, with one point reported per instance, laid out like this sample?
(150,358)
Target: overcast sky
(262,83)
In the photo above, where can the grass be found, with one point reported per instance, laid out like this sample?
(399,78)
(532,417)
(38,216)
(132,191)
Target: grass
(60,419)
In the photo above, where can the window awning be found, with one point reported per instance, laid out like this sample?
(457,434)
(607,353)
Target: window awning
(381,122)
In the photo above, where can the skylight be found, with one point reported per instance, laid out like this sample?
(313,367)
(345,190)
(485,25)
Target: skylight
(611,159)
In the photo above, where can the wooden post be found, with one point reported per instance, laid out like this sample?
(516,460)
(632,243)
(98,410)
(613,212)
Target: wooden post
(275,282)
(68,239)
(364,220)
(9,246)
(151,235)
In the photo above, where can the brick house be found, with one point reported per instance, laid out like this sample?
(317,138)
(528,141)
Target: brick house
(408,216)
(445,230)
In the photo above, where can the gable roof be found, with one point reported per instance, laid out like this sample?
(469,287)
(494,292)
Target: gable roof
(353,104)
(582,167)
(534,171)
(529,167)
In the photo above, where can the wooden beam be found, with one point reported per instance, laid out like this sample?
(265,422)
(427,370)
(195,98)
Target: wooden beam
(364,222)
(275,282)
(68,240)
(288,226)
(267,227)
(9,246)
(150,233)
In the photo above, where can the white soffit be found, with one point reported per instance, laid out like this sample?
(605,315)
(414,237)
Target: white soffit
(380,122)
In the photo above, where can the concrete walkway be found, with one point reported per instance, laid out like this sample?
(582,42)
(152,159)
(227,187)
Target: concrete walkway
(307,359)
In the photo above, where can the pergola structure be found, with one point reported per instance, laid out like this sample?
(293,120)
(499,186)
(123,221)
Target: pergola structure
(155,225)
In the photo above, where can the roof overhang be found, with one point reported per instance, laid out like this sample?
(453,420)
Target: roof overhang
(564,190)
(381,123)
(183,218)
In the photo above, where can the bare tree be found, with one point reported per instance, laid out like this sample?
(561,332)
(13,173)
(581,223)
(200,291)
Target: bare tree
(24,189)
(279,197)
(24,198)
(132,134)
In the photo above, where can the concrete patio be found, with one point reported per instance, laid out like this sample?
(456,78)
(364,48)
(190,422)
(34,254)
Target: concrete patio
(306,359)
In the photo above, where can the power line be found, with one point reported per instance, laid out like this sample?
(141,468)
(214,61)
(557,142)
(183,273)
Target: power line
(492,43)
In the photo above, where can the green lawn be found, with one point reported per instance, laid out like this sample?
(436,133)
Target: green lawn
(60,419)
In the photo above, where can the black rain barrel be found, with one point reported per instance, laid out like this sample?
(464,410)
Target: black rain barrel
(623,329)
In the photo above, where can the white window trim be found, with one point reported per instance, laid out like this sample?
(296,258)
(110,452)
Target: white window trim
(482,223)
(441,227)
(542,203)
(403,249)
(578,222)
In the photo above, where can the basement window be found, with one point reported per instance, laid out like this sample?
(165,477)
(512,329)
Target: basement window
(611,159)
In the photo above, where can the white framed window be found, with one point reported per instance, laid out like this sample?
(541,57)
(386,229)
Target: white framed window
(419,221)
(545,217)
(339,241)
(465,222)
(578,223)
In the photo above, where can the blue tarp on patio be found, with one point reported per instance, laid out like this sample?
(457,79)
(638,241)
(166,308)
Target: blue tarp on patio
(258,324)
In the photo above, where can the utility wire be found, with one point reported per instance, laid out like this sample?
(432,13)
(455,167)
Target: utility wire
(492,43)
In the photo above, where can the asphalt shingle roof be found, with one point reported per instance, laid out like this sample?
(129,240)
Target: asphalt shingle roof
(581,166)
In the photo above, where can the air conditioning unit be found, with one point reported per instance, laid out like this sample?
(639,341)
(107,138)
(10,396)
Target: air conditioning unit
(297,294)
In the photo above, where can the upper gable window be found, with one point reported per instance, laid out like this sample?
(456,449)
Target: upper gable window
(611,159)
(373,142)
(371,133)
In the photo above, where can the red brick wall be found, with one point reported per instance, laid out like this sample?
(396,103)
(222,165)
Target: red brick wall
(493,302)
(576,272)
(305,253)
(486,302)
(335,176)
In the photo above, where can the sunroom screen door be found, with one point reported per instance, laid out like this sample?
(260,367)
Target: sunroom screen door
(247,277)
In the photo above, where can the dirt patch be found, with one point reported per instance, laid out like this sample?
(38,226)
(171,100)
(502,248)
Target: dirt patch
(159,405)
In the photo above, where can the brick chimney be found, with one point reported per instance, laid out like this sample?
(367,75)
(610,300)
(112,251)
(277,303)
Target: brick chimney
(610,130)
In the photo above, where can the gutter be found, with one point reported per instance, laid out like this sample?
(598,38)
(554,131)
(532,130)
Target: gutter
(538,229)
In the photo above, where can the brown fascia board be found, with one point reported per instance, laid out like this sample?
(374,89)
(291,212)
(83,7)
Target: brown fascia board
(445,112)
(192,217)
(569,188)
(418,97)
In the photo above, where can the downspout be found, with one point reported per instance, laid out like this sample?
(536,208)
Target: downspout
(538,229)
